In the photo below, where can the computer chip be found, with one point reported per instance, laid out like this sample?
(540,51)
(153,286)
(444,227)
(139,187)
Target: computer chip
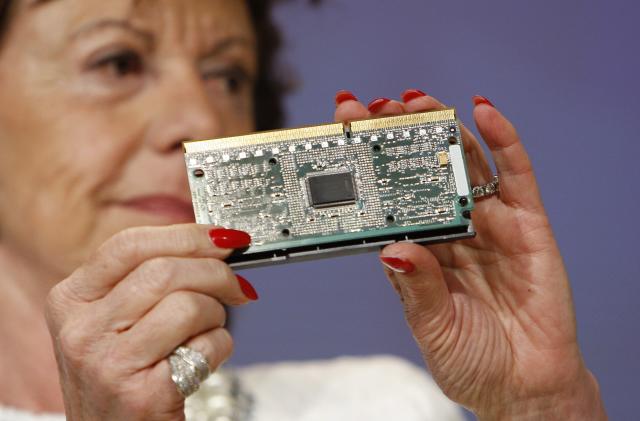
(335,189)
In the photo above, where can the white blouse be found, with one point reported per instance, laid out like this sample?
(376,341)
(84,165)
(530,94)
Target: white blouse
(372,388)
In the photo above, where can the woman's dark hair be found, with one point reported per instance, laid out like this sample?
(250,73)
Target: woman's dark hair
(5,5)
(269,88)
(270,85)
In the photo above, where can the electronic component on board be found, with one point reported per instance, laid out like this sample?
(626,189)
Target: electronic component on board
(331,189)
(335,189)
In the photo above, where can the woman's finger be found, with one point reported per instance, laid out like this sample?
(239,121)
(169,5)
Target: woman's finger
(348,108)
(123,252)
(479,169)
(380,107)
(425,295)
(518,185)
(215,345)
(173,321)
(155,279)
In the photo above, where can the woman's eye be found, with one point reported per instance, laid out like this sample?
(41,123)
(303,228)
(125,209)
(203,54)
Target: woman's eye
(121,64)
(233,83)
(233,80)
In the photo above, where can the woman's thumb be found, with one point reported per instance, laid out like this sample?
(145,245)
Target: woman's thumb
(417,274)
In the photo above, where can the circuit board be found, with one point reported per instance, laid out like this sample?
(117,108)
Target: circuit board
(335,189)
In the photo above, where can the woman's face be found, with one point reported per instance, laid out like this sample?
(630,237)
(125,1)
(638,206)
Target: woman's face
(95,99)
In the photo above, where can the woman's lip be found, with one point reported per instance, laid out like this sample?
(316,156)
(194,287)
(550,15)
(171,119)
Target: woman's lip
(169,206)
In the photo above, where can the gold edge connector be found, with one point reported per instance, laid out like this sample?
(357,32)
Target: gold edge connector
(324,130)
(402,120)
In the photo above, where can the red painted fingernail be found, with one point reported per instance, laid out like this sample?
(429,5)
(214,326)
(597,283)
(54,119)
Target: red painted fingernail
(247,289)
(229,238)
(411,94)
(343,96)
(375,105)
(478,99)
(398,265)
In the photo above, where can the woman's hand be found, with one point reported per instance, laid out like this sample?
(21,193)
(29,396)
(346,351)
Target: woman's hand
(493,315)
(145,292)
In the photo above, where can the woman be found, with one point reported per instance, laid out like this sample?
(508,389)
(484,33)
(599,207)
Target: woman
(96,232)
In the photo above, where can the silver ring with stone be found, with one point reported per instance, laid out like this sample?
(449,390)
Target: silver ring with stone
(488,189)
(189,368)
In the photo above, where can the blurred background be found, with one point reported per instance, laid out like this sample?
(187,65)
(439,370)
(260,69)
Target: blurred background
(566,74)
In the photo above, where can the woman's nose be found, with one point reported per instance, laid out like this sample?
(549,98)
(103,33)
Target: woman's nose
(184,111)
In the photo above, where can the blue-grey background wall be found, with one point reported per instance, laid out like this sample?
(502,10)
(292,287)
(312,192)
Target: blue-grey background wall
(565,72)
